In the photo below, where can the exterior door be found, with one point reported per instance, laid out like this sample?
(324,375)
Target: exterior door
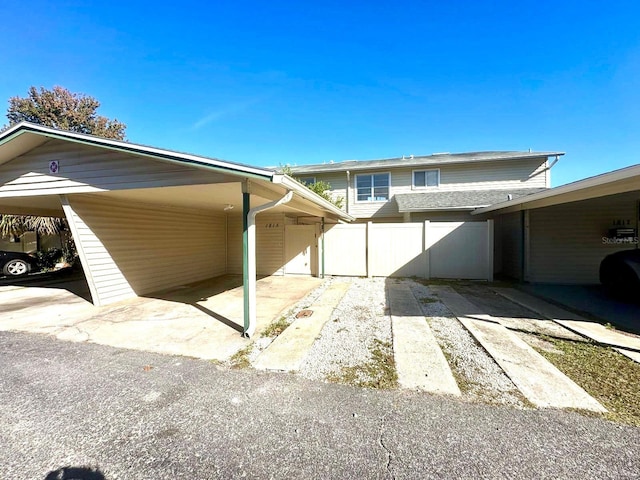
(300,249)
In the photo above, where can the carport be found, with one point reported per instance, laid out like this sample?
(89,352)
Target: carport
(560,235)
(145,219)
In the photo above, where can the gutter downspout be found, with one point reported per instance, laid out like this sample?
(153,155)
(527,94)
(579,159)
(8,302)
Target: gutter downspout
(346,200)
(250,262)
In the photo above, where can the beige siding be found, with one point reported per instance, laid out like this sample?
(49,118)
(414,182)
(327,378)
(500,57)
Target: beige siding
(270,243)
(234,245)
(566,241)
(87,169)
(477,176)
(449,216)
(134,249)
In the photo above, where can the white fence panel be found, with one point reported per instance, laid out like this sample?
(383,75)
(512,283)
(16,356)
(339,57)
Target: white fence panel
(397,250)
(460,249)
(429,249)
(346,250)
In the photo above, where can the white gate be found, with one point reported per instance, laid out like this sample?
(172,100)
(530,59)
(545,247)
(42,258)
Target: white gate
(460,250)
(429,249)
(300,249)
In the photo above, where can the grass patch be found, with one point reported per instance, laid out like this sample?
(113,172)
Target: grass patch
(276,328)
(240,359)
(427,300)
(611,378)
(379,372)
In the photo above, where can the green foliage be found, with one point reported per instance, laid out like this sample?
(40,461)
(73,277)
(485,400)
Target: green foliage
(62,109)
(48,259)
(322,188)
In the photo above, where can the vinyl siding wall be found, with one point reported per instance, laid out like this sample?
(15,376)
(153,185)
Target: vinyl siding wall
(566,240)
(477,176)
(88,169)
(269,244)
(134,249)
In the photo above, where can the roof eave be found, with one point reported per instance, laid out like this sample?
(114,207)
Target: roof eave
(338,167)
(135,149)
(591,182)
(304,192)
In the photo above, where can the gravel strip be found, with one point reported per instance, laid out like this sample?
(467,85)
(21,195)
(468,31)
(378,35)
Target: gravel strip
(346,340)
(479,376)
(260,343)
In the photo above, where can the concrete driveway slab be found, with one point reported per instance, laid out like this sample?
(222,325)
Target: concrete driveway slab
(420,362)
(626,344)
(538,380)
(202,320)
(288,350)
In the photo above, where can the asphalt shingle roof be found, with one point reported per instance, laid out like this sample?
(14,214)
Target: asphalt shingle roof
(460,199)
(416,161)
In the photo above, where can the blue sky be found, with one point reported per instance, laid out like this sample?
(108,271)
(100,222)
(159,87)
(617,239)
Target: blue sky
(279,82)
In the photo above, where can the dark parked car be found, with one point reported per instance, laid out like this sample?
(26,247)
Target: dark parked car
(620,273)
(17,263)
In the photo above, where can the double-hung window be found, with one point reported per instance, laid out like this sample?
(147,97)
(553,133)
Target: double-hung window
(373,187)
(307,180)
(426,178)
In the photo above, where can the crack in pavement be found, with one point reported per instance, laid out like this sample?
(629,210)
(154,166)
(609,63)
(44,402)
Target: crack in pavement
(385,448)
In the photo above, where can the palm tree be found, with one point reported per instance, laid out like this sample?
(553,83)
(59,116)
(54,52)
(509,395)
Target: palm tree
(16,225)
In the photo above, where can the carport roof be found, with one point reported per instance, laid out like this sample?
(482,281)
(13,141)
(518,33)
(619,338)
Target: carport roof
(24,136)
(618,181)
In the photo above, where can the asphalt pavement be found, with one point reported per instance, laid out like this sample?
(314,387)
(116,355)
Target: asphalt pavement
(122,414)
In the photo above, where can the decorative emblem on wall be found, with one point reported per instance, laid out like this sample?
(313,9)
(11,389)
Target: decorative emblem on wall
(54,166)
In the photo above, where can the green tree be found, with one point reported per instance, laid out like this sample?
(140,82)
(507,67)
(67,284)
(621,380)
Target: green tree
(62,109)
(322,188)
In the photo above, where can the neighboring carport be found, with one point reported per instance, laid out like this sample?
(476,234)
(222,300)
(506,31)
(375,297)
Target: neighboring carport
(145,219)
(560,235)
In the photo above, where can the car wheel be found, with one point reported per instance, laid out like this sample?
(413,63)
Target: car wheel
(15,267)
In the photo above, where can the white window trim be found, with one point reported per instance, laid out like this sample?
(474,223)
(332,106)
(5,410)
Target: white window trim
(413,177)
(355,186)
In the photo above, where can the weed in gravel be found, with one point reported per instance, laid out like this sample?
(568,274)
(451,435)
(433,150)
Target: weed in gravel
(610,377)
(276,328)
(427,300)
(240,359)
(362,312)
(379,372)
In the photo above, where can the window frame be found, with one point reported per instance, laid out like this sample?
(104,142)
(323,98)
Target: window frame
(301,180)
(426,187)
(371,175)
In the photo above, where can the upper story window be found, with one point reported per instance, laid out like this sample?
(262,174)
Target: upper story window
(373,188)
(426,178)
(307,180)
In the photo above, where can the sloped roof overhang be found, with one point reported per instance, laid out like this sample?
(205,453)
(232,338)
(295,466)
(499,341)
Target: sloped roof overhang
(23,137)
(610,183)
